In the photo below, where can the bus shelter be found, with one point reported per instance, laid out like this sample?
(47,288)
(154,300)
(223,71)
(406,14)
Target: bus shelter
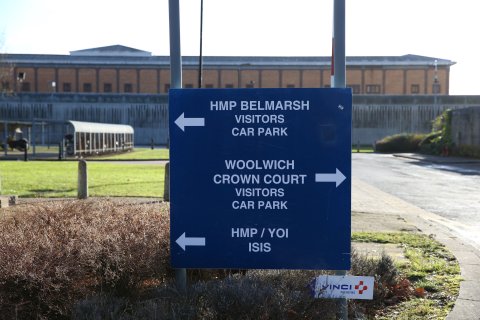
(89,138)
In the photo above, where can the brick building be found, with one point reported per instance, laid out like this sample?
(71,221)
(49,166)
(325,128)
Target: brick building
(120,69)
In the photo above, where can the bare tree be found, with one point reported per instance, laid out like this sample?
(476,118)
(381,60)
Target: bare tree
(6,71)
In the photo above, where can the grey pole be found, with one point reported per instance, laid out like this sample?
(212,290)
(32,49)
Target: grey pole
(82,188)
(34,136)
(339,44)
(166,183)
(25,152)
(175,55)
(200,58)
(338,81)
(5,134)
(176,82)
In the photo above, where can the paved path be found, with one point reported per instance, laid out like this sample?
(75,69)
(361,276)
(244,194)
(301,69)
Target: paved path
(375,210)
(445,186)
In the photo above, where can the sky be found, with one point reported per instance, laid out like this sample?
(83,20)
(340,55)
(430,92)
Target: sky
(441,29)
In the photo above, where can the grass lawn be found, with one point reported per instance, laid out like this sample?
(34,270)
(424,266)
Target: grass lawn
(145,153)
(52,179)
(362,149)
(432,271)
(139,154)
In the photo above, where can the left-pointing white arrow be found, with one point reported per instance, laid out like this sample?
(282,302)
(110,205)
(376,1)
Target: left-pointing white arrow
(183,241)
(336,177)
(183,122)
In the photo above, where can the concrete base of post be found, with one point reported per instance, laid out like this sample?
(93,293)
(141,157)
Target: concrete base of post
(4,202)
(7,200)
(82,192)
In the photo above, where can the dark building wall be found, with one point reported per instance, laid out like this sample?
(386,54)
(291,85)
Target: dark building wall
(144,74)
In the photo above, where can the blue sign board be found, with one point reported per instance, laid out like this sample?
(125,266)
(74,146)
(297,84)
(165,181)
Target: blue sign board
(260,178)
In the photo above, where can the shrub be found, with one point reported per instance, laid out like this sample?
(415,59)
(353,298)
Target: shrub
(258,294)
(55,253)
(404,142)
(109,259)
(439,141)
(390,286)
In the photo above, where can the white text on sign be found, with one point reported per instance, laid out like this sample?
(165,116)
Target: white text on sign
(257,105)
(260,233)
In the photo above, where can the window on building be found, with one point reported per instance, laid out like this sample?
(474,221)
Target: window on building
(25,87)
(188,86)
(355,88)
(373,88)
(415,89)
(290,85)
(21,76)
(229,85)
(127,88)
(87,87)
(436,88)
(326,86)
(107,87)
(209,86)
(67,87)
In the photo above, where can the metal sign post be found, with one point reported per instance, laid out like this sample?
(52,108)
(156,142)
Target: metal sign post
(176,82)
(338,81)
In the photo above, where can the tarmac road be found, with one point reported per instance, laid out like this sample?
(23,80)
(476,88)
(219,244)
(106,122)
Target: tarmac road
(448,187)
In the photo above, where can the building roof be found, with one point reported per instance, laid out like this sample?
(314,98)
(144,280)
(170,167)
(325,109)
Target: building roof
(95,127)
(119,55)
(404,60)
(115,50)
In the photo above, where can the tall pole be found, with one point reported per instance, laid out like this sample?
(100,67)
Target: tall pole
(338,81)
(176,83)
(338,45)
(200,58)
(175,55)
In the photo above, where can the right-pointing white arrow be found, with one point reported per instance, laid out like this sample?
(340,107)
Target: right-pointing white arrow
(336,177)
(183,122)
(183,241)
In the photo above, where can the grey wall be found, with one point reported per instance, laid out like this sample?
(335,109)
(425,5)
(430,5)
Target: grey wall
(147,114)
(374,122)
(374,117)
(466,126)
